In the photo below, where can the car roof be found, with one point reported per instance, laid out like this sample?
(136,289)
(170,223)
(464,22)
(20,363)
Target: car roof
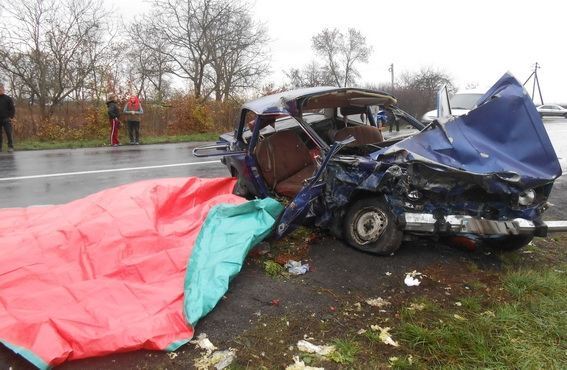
(317,97)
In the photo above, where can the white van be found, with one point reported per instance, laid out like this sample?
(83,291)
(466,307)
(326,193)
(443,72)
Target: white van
(461,103)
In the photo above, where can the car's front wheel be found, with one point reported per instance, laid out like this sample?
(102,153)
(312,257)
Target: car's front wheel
(370,226)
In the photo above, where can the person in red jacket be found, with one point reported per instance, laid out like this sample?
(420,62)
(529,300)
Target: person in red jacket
(113,114)
(134,110)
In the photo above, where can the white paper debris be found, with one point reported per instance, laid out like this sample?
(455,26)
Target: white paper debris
(300,365)
(411,278)
(305,346)
(385,335)
(377,302)
(219,359)
(296,268)
(204,343)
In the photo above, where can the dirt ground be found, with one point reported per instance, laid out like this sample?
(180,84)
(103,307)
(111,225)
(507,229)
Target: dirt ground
(262,317)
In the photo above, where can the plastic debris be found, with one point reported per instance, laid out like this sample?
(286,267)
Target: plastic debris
(458,304)
(412,278)
(305,346)
(385,336)
(296,268)
(219,359)
(172,355)
(388,273)
(377,302)
(300,365)
(204,343)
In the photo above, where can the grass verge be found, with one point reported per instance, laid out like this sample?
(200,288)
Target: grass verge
(71,144)
(527,330)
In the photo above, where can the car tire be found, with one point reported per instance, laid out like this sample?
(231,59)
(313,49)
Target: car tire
(508,243)
(565,116)
(370,226)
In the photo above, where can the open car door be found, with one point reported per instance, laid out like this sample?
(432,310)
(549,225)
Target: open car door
(296,211)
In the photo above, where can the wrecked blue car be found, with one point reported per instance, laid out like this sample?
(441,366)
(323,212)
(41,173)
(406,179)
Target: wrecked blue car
(483,177)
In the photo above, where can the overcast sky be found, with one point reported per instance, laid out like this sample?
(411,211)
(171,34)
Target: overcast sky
(473,41)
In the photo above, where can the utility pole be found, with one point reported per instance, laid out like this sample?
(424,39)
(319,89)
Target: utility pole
(391,70)
(536,82)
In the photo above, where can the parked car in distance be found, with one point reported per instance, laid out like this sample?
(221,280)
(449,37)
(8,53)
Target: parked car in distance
(461,103)
(552,110)
(321,152)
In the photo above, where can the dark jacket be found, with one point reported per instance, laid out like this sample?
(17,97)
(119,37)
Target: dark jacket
(7,108)
(113,111)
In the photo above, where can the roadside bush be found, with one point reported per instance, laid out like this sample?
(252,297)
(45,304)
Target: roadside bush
(77,121)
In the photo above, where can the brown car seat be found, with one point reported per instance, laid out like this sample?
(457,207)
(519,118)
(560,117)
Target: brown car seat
(285,162)
(362,134)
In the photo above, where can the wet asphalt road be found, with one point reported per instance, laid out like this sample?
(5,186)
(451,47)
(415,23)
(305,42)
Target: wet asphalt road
(59,176)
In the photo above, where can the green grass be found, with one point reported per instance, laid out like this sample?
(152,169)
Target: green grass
(71,144)
(345,351)
(529,330)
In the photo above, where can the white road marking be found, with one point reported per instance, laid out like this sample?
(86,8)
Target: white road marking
(105,171)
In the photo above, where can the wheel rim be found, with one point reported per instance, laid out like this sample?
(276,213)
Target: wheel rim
(368,225)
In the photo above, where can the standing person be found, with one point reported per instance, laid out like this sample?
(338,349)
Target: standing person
(7,113)
(134,110)
(113,114)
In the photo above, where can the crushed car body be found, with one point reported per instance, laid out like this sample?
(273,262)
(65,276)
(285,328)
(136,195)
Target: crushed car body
(485,175)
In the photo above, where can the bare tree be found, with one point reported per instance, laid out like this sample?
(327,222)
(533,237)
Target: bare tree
(417,91)
(341,53)
(310,75)
(147,66)
(239,58)
(52,47)
(212,43)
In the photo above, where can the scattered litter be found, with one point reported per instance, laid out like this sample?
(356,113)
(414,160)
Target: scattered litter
(459,317)
(332,308)
(296,268)
(219,359)
(459,304)
(411,278)
(377,302)
(172,355)
(361,331)
(204,343)
(388,273)
(385,336)
(531,244)
(305,346)
(358,306)
(417,306)
(488,313)
(275,302)
(300,365)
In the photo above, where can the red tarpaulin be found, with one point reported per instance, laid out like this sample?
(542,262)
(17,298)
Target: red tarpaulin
(104,273)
